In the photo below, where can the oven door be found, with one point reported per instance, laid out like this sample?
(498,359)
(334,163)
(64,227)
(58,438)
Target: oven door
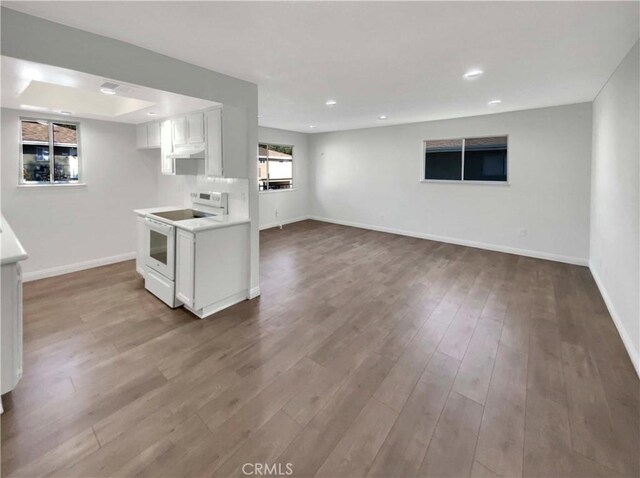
(160,243)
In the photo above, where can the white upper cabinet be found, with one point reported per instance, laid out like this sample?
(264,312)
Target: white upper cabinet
(141,136)
(195,128)
(148,135)
(213,156)
(179,131)
(153,135)
(222,132)
(166,147)
(188,130)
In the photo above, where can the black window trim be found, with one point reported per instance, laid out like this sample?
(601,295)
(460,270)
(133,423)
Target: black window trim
(462,180)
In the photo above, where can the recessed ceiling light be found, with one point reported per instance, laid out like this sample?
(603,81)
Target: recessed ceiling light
(63,112)
(313,126)
(330,102)
(494,102)
(471,74)
(31,107)
(382,117)
(107,91)
(152,113)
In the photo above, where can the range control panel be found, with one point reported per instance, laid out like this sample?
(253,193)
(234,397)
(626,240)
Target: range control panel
(210,198)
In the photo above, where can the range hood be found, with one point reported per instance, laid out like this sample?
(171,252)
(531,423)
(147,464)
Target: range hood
(188,153)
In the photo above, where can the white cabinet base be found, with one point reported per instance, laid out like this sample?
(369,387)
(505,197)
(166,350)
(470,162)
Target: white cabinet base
(11,327)
(218,306)
(140,242)
(212,268)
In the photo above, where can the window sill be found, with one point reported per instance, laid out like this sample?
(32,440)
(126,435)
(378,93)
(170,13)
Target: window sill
(49,185)
(272,191)
(455,181)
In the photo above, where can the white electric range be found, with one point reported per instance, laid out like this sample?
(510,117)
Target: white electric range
(160,240)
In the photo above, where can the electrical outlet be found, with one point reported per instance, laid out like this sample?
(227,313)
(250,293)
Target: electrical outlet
(522,232)
(277,213)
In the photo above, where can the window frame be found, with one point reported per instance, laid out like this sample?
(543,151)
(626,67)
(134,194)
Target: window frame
(52,183)
(293,168)
(464,139)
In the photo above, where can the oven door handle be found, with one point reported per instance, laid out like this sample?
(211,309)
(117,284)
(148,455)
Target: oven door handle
(157,225)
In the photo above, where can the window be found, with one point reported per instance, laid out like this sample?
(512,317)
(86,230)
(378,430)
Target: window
(49,152)
(470,159)
(275,167)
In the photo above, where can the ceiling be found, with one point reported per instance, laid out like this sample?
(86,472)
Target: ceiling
(36,88)
(404,60)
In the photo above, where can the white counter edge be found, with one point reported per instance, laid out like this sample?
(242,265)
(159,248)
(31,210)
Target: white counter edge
(12,250)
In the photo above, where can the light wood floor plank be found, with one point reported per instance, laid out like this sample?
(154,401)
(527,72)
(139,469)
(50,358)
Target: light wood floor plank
(262,449)
(501,438)
(398,385)
(74,449)
(232,434)
(547,442)
(312,447)
(451,451)
(478,470)
(406,444)
(476,368)
(355,452)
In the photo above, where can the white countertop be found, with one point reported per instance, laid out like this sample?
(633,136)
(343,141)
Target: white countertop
(213,222)
(198,224)
(11,250)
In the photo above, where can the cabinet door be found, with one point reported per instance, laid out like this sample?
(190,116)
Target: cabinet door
(213,157)
(166,148)
(153,135)
(11,327)
(179,131)
(195,128)
(141,136)
(140,243)
(185,267)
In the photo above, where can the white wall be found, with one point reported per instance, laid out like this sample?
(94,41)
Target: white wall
(292,205)
(615,200)
(371,177)
(63,226)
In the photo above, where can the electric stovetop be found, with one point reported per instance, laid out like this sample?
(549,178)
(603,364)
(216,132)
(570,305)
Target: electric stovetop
(181,214)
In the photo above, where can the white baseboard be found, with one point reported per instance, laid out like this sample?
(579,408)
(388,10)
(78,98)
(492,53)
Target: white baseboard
(282,223)
(461,242)
(617,320)
(78,266)
(254,292)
